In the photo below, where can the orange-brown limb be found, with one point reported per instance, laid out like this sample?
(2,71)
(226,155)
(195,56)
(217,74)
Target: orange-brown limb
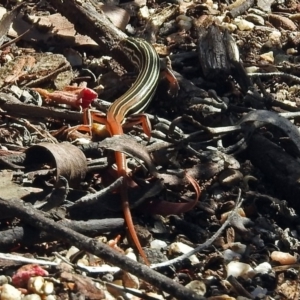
(173,82)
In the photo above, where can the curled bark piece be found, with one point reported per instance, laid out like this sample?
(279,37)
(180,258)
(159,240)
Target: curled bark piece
(262,117)
(68,160)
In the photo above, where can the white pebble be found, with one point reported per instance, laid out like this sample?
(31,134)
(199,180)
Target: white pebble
(50,297)
(144,12)
(32,297)
(158,244)
(35,284)
(263,268)
(236,269)
(269,57)
(48,287)
(9,292)
(130,254)
(181,248)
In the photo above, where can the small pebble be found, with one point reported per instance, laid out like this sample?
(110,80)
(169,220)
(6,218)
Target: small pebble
(181,248)
(255,19)
(32,297)
(130,254)
(35,284)
(265,5)
(50,297)
(263,268)
(144,12)
(291,51)
(48,287)
(158,244)
(236,269)
(229,26)
(268,57)
(4,279)
(238,247)
(274,37)
(243,25)
(8,292)
(283,258)
(257,12)
(197,286)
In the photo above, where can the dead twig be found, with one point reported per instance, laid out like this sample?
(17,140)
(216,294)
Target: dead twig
(94,198)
